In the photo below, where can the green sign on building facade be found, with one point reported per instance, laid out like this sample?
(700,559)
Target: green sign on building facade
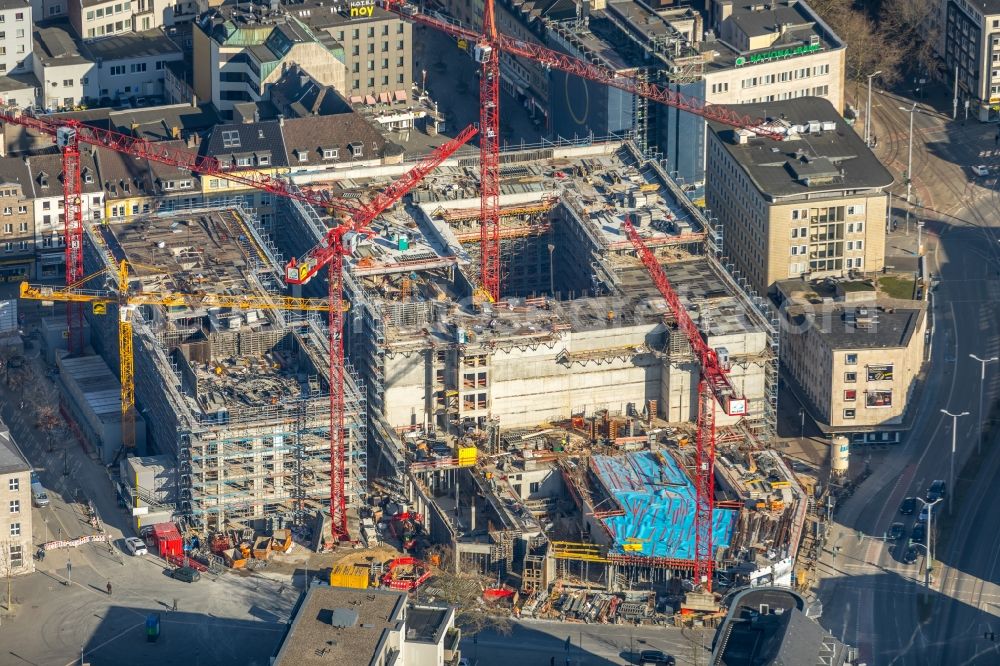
(777,54)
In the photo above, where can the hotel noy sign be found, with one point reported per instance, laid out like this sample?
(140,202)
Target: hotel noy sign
(777,54)
(361,8)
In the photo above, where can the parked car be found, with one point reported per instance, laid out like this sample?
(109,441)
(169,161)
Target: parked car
(919,533)
(910,556)
(135,546)
(937,490)
(655,658)
(39,497)
(980,170)
(908,506)
(186,574)
(896,531)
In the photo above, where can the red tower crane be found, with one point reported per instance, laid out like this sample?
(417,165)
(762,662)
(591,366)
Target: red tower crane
(714,386)
(69,134)
(488,45)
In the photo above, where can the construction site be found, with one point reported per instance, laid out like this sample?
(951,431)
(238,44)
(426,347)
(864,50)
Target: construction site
(531,367)
(236,398)
(549,436)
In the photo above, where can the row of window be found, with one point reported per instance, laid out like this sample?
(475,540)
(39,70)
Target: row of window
(101,12)
(356,51)
(818,91)
(371,81)
(371,65)
(9,210)
(782,77)
(356,33)
(19,16)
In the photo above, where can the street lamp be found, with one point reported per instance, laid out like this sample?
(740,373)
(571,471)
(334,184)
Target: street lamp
(909,164)
(927,537)
(868,110)
(982,380)
(954,436)
(920,247)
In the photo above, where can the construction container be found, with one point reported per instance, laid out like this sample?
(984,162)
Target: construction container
(345,576)
(262,548)
(281,540)
(168,540)
(467,456)
(234,558)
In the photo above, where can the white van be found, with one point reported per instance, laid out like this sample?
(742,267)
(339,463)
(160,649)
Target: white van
(39,497)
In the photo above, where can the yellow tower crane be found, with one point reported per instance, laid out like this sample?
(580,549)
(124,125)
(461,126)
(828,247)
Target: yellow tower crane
(128,302)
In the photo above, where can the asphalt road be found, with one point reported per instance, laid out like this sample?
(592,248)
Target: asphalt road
(538,643)
(871,599)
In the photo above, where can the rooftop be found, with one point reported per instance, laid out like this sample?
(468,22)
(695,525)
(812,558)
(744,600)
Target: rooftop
(336,625)
(267,32)
(349,134)
(229,143)
(55,44)
(767,627)
(820,152)
(11,459)
(426,623)
(324,14)
(133,45)
(14,4)
(870,324)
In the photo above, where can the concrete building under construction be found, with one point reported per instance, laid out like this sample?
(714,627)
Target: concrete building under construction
(238,399)
(580,352)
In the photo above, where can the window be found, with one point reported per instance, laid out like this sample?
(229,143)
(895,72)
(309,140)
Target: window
(850,377)
(859,245)
(15,506)
(100,12)
(263,160)
(13,484)
(850,395)
(243,161)
(67,83)
(231,139)
(358,149)
(303,156)
(330,153)
(19,16)
(856,210)
(8,228)
(534,486)
(848,413)
(15,529)
(138,67)
(117,70)
(90,16)
(798,250)
(46,205)
(16,557)
(850,245)
(851,359)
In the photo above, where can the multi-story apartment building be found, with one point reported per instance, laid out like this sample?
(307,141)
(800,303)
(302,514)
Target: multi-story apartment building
(852,358)
(733,52)
(116,68)
(813,204)
(378,47)
(239,51)
(46,182)
(15,36)
(17,223)
(93,19)
(15,508)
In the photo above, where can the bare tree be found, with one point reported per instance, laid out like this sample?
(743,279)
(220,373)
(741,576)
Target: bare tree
(7,571)
(465,592)
(869,47)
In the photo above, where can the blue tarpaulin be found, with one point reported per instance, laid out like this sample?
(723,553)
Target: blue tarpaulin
(658,499)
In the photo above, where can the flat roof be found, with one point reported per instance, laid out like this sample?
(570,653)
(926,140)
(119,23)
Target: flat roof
(133,45)
(338,625)
(54,43)
(822,154)
(11,460)
(426,623)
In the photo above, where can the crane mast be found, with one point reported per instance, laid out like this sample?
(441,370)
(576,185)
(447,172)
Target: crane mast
(69,133)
